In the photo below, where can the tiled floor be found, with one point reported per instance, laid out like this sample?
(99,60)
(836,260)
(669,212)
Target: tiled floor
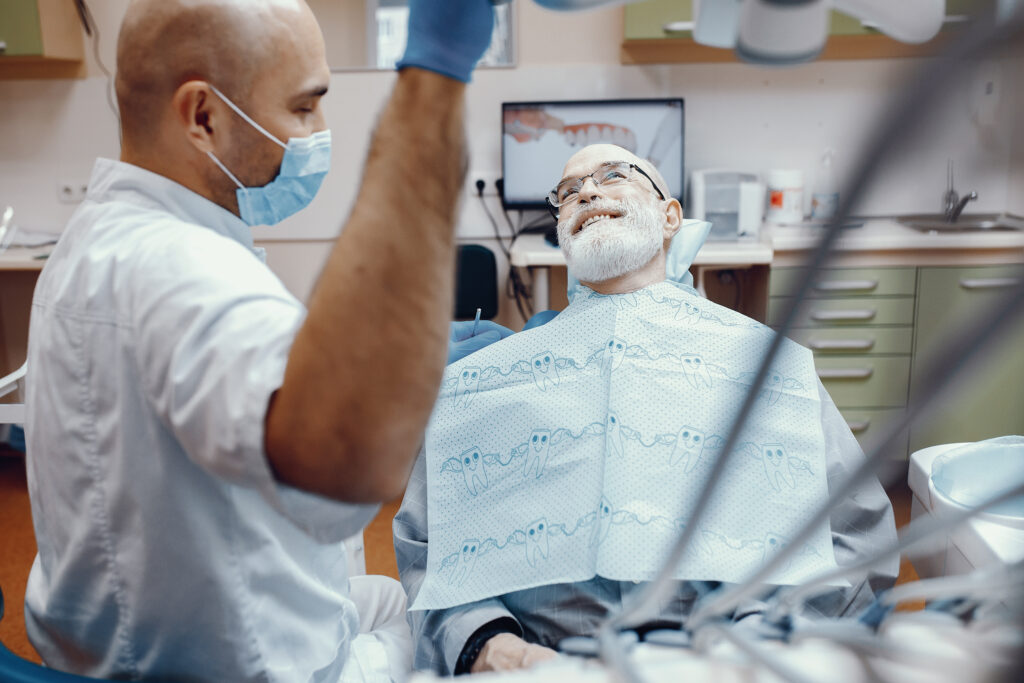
(17,547)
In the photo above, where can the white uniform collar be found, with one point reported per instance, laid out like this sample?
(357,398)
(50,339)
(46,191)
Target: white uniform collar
(114,180)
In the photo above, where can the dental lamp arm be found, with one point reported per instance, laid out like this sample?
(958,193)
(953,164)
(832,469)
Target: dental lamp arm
(908,21)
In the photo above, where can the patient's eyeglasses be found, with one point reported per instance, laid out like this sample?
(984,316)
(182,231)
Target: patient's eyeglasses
(607,174)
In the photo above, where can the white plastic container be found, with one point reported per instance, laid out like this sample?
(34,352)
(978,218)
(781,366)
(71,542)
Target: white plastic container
(785,196)
(825,197)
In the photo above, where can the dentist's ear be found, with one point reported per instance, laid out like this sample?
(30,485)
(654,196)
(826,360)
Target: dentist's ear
(673,218)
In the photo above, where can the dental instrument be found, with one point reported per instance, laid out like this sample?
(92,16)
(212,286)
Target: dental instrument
(5,221)
(476,322)
(919,531)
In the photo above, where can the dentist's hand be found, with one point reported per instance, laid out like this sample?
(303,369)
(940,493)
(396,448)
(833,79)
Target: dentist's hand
(462,341)
(448,36)
(508,652)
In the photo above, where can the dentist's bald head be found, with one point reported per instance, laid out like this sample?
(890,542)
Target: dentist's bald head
(231,43)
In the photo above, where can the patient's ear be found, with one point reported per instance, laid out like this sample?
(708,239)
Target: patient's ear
(673,218)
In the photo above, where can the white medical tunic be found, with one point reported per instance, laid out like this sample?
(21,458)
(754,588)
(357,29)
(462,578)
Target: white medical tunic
(166,548)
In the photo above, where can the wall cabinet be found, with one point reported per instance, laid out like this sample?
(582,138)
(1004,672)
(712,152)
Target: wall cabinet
(40,38)
(987,400)
(654,32)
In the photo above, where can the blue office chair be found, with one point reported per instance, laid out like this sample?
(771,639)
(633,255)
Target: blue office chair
(14,669)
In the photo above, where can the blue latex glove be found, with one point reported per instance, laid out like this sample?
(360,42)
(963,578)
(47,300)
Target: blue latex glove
(681,251)
(539,319)
(462,341)
(448,36)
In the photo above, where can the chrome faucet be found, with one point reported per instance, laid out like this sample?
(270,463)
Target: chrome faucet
(953,204)
(953,213)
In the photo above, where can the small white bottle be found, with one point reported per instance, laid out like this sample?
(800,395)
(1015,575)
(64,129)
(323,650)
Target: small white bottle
(825,198)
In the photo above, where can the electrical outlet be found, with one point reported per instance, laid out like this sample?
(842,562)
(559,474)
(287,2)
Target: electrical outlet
(71,191)
(490,190)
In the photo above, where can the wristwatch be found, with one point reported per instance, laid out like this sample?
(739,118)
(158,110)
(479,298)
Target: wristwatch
(471,650)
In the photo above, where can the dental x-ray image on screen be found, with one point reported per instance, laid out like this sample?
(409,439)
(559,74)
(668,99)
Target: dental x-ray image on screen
(538,137)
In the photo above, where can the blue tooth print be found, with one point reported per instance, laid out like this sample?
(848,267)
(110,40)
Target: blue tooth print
(468,385)
(604,521)
(687,313)
(696,370)
(776,466)
(688,448)
(622,301)
(773,545)
(614,352)
(698,541)
(614,430)
(798,464)
(466,560)
(544,371)
(775,385)
(536,541)
(537,452)
(473,470)
(773,388)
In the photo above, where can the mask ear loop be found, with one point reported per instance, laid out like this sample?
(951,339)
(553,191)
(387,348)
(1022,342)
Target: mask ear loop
(246,117)
(226,171)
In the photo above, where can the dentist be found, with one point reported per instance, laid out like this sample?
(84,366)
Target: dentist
(199,443)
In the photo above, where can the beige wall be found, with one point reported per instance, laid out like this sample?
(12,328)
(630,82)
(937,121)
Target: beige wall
(1014,80)
(347,13)
(542,35)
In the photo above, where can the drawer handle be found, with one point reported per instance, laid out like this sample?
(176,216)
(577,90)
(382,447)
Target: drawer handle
(858,426)
(842,344)
(677,26)
(852,314)
(989,282)
(846,285)
(845,373)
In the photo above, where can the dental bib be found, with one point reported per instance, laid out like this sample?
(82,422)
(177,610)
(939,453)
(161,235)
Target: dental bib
(579,448)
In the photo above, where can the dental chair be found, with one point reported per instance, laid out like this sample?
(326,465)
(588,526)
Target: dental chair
(12,413)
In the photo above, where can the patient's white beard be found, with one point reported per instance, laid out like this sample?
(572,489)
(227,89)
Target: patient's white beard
(612,247)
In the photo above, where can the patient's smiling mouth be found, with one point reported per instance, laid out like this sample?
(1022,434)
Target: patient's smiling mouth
(592,216)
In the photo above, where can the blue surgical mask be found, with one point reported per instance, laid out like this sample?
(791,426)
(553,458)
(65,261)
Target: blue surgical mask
(303,167)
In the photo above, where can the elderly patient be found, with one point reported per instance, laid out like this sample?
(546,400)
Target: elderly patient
(616,222)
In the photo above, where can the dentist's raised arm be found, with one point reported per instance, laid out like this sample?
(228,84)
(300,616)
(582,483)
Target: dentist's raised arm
(365,367)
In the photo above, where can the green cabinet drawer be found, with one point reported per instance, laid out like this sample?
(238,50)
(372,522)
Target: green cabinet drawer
(871,424)
(832,341)
(986,399)
(865,381)
(847,282)
(845,312)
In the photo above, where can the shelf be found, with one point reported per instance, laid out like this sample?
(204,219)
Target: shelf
(838,47)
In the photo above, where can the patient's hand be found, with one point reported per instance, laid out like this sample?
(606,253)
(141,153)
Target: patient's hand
(507,652)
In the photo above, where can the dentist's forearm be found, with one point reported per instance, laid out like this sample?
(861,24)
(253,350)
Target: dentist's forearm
(365,367)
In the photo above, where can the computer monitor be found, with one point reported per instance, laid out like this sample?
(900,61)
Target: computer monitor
(539,137)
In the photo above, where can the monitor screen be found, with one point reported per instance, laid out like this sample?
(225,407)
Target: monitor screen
(539,137)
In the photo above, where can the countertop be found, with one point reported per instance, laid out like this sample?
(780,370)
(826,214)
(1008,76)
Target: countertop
(879,241)
(532,250)
(24,258)
(883,234)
